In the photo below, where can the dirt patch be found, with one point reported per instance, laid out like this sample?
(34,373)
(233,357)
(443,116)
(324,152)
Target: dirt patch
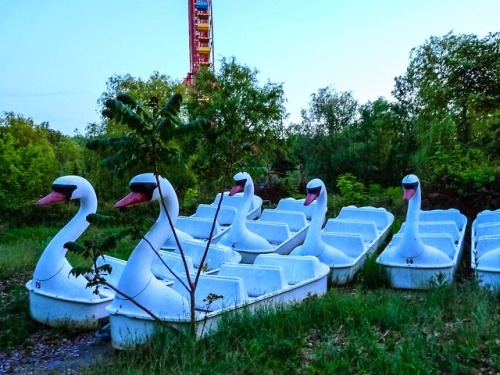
(49,354)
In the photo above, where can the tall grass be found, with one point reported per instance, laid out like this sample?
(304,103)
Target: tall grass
(448,329)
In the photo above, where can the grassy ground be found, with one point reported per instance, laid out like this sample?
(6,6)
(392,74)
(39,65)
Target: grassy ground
(363,328)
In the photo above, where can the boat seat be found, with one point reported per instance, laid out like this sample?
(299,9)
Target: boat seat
(197,227)
(440,241)
(229,201)
(274,233)
(443,227)
(174,261)
(486,244)
(445,215)
(377,215)
(487,216)
(231,289)
(290,204)
(350,244)
(366,229)
(296,220)
(486,230)
(297,268)
(216,256)
(258,279)
(225,217)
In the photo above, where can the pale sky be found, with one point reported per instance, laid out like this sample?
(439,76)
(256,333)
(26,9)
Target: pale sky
(57,55)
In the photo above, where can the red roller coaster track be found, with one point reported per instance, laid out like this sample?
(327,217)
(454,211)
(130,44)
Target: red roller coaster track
(200,37)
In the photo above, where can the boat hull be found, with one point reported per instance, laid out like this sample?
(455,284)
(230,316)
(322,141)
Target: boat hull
(419,278)
(299,278)
(65,312)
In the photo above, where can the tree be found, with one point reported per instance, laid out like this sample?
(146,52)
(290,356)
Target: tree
(380,141)
(324,135)
(149,96)
(242,114)
(451,89)
(28,162)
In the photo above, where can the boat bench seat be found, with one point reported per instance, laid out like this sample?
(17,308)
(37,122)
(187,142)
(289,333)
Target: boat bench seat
(225,217)
(197,227)
(449,227)
(258,279)
(296,220)
(485,245)
(350,244)
(174,261)
(445,215)
(441,241)
(229,201)
(486,230)
(273,232)
(366,229)
(377,215)
(487,216)
(216,256)
(297,268)
(215,292)
(290,204)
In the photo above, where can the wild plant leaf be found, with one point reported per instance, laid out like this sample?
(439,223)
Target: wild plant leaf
(123,114)
(109,243)
(105,268)
(103,220)
(74,247)
(173,106)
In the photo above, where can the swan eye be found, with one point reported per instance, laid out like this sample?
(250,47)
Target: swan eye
(146,188)
(66,190)
(241,182)
(410,185)
(316,190)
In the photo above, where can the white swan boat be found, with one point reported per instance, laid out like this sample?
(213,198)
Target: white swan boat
(57,298)
(345,240)
(273,279)
(428,247)
(277,231)
(485,248)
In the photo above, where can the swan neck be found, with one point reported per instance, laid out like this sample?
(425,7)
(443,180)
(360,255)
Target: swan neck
(411,244)
(137,272)
(317,220)
(54,256)
(242,212)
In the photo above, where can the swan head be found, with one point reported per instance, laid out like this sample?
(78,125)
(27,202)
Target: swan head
(242,180)
(67,188)
(411,185)
(144,189)
(314,189)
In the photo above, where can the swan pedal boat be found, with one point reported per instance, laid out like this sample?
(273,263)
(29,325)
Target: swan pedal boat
(485,249)
(56,297)
(272,280)
(428,247)
(345,241)
(277,231)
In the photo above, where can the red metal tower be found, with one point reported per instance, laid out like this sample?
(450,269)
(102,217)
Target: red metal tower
(200,36)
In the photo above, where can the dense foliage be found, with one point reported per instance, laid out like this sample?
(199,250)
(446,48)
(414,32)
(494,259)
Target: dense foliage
(442,125)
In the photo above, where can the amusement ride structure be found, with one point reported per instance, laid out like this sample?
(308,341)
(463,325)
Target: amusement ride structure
(200,37)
